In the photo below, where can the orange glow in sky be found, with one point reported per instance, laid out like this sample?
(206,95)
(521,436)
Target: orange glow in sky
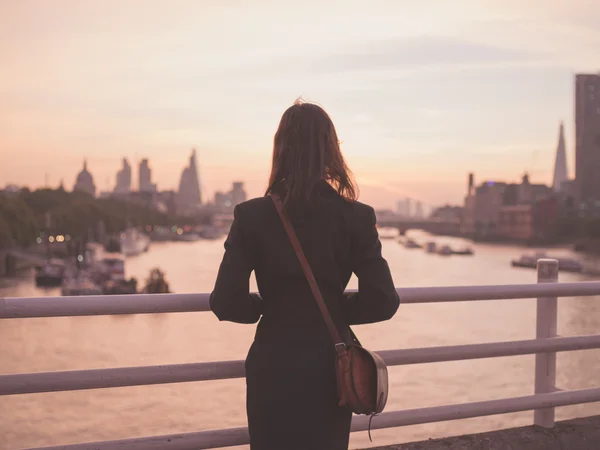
(420,94)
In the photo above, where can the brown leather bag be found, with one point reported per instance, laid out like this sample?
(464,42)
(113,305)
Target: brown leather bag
(362,376)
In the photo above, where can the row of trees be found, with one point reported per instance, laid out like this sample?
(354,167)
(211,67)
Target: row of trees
(24,215)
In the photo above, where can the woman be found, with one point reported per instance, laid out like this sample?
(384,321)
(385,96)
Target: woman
(290,376)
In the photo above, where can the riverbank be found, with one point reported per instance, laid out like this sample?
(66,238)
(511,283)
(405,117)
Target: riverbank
(590,246)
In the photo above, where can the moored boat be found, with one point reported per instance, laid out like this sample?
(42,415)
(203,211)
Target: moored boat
(50,274)
(80,285)
(445,251)
(188,237)
(211,232)
(468,251)
(410,243)
(133,242)
(112,287)
(564,264)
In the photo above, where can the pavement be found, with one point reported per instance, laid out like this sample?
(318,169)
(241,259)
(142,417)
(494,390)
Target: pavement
(576,434)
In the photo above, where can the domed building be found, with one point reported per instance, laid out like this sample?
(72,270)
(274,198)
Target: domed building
(85,181)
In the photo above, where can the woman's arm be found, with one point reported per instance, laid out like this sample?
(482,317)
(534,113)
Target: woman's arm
(230,299)
(376,299)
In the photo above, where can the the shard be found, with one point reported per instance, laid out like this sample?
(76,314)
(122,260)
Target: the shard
(560,166)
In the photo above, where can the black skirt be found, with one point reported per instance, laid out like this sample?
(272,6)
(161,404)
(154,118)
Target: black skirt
(292,398)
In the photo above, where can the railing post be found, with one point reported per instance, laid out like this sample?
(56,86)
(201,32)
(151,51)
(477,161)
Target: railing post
(545,363)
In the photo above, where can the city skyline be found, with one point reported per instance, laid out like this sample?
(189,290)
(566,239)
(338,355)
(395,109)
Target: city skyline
(418,99)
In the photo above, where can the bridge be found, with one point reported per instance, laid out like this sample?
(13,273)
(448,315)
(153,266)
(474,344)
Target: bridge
(433,226)
(543,402)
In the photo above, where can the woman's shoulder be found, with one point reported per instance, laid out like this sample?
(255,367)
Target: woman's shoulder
(253,208)
(361,211)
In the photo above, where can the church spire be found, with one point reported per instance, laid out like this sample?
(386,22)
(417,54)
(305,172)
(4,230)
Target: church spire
(560,165)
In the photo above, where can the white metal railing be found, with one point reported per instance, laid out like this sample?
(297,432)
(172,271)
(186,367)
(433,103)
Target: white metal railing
(545,346)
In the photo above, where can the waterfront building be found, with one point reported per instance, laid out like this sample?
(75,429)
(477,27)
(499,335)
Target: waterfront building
(587,138)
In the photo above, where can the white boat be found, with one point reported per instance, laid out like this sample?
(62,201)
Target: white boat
(133,242)
(564,264)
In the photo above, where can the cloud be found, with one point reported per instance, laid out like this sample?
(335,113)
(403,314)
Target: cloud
(420,52)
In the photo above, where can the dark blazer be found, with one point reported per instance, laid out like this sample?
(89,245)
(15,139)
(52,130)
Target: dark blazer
(290,376)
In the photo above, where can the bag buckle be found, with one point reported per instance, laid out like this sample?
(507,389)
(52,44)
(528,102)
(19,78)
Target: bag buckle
(340,348)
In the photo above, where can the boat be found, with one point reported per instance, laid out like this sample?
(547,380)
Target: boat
(387,233)
(113,266)
(467,251)
(51,274)
(211,232)
(80,285)
(445,251)
(410,243)
(431,247)
(113,245)
(156,283)
(133,242)
(564,264)
(162,234)
(188,237)
(112,279)
(117,287)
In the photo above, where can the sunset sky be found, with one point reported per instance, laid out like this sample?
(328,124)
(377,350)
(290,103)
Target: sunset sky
(421,92)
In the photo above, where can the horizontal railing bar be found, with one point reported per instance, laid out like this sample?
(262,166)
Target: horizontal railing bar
(477,409)
(239,436)
(30,383)
(74,380)
(94,305)
(488,350)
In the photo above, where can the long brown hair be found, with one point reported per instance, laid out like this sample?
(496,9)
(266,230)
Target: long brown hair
(306,153)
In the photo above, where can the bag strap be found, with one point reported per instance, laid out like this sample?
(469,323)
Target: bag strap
(314,287)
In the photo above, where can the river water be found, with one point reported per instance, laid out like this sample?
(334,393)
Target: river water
(49,344)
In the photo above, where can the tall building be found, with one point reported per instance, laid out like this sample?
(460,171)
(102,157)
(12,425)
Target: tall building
(587,136)
(419,214)
(232,198)
(85,181)
(189,186)
(146,178)
(560,165)
(238,194)
(124,178)
(403,208)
